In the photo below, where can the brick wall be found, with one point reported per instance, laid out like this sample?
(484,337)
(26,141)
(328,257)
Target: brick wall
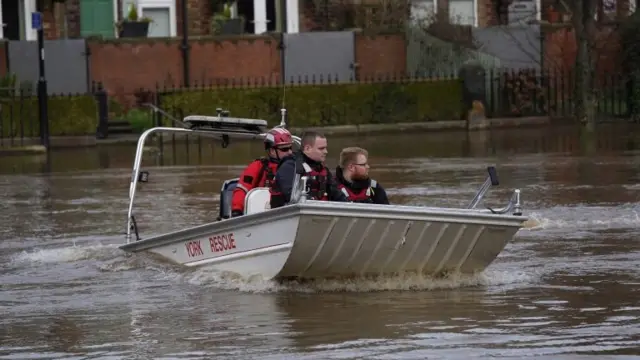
(54,15)
(250,56)
(336,15)
(560,49)
(3,58)
(199,14)
(127,66)
(380,54)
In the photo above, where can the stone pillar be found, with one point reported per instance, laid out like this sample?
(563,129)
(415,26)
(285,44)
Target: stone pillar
(281,14)
(260,16)
(293,16)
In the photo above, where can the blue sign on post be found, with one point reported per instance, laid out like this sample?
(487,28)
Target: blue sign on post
(36,20)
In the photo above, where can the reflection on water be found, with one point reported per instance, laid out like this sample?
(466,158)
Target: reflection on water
(566,287)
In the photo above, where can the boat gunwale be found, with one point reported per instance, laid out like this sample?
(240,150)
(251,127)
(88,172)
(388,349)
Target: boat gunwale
(332,209)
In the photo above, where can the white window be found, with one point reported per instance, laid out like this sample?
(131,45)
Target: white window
(462,12)
(523,12)
(160,25)
(423,11)
(162,12)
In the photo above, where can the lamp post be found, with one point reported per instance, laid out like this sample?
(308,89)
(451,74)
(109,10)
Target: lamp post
(185,45)
(36,23)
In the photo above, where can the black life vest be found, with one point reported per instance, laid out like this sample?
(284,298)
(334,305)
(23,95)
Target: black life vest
(316,182)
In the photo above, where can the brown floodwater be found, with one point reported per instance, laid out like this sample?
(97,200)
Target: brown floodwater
(568,286)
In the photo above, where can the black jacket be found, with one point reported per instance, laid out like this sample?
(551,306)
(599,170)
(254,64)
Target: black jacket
(285,175)
(379,194)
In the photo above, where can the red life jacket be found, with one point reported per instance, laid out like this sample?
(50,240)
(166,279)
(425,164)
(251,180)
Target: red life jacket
(267,173)
(254,176)
(363,196)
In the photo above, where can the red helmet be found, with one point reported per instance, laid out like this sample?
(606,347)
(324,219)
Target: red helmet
(277,137)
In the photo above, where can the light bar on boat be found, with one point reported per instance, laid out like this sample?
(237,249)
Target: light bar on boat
(202,122)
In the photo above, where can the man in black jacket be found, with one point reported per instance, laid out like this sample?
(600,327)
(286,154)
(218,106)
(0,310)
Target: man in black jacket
(309,161)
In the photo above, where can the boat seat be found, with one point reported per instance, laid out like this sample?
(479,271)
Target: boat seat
(257,200)
(226,193)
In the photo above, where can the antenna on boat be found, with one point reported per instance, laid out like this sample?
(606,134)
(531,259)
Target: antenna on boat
(283,109)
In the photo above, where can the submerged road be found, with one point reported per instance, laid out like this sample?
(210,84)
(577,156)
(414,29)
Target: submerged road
(567,287)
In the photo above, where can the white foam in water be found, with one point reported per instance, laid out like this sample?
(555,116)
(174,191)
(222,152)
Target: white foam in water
(586,217)
(113,259)
(405,282)
(65,254)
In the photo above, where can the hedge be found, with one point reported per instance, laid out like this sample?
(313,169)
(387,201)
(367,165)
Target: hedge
(68,115)
(324,105)
(307,105)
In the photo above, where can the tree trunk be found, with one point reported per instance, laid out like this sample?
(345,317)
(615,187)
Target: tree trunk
(584,30)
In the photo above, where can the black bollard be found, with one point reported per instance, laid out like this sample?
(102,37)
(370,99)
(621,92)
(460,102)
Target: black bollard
(102,130)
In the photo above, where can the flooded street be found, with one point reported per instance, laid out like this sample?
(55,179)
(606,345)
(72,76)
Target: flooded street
(566,288)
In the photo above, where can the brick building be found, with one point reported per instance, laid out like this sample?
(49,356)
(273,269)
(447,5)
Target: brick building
(83,18)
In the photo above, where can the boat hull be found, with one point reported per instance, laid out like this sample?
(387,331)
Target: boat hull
(316,239)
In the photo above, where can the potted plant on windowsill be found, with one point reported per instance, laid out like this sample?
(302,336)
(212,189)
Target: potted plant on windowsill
(223,24)
(132,26)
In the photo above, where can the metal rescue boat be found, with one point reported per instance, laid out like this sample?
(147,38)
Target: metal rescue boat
(321,239)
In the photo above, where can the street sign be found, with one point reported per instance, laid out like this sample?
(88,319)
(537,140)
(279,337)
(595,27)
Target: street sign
(36,20)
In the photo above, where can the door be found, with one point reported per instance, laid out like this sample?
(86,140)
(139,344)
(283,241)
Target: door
(96,18)
(320,54)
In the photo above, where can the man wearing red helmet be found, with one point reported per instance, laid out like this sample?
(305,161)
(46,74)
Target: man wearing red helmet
(261,172)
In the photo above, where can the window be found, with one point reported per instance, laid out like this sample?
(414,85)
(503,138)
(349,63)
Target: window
(423,10)
(162,12)
(462,12)
(160,25)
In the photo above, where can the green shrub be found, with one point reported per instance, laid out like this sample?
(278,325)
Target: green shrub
(324,105)
(139,119)
(68,115)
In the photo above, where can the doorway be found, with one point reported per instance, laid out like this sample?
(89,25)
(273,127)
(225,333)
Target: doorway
(12,13)
(245,8)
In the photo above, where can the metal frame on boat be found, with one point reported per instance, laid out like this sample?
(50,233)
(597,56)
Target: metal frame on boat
(320,239)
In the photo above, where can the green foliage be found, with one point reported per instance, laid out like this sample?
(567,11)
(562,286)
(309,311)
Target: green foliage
(68,115)
(7,86)
(325,105)
(139,119)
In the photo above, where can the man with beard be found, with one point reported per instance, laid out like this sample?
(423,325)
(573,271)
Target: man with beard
(353,178)
(309,161)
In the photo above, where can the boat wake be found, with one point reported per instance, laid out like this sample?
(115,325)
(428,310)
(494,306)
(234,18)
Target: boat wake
(400,282)
(72,253)
(108,258)
(569,218)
